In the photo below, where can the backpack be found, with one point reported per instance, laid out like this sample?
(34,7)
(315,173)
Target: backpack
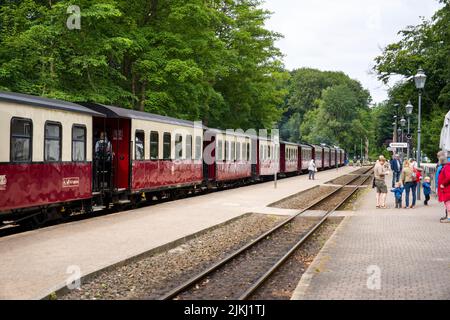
(416,175)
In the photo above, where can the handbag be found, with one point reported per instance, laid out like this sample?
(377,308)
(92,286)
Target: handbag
(373,183)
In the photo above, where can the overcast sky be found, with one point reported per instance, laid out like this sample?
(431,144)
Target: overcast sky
(344,35)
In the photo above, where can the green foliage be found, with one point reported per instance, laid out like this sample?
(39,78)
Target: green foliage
(326,107)
(427,46)
(194,59)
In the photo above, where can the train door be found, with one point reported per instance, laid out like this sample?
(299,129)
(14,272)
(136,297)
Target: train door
(111,154)
(209,168)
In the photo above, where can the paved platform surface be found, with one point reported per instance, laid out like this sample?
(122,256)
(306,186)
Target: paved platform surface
(36,263)
(393,254)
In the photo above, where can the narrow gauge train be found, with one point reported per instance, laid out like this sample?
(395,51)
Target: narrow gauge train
(60,157)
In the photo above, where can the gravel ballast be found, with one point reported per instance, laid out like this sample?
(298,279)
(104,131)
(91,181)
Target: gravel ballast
(304,199)
(152,276)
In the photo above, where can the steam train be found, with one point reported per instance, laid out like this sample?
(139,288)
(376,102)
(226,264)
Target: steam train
(59,158)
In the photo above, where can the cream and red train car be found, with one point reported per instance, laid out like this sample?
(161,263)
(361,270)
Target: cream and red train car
(151,153)
(306,152)
(268,158)
(45,158)
(289,158)
(333,157)
(230,160)
(318,156)
(326,157)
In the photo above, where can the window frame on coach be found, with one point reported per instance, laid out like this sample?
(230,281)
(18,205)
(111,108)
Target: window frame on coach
(169,144)
(55,123)
(79,126)
(139,131)
(14,136)
(188,144)
(152,145)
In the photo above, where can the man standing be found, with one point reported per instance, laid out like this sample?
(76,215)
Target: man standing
(396,167)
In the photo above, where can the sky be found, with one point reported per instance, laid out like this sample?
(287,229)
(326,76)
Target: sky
(343,35)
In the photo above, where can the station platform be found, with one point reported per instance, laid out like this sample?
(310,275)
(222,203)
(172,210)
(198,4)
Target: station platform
(37,263)
(383,254)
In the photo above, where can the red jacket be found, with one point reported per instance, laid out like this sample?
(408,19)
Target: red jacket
(444,180)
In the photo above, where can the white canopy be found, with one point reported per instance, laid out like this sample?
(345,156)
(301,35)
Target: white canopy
(445,134)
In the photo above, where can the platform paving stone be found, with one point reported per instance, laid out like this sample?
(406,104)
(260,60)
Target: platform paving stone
(393,254)
(34,264)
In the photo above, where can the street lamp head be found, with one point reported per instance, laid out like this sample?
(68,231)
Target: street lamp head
(420,78)
(403,122)
(409,108)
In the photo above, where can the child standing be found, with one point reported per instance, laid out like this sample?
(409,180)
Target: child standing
(398,192)
(427,189)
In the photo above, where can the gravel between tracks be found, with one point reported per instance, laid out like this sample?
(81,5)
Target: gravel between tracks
(283,282)
(231,280)
(303,199)
(150,277)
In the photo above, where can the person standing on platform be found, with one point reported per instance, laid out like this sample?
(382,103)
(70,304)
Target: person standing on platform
(312,169)
(408,180)
(426,189)
(380,171)
(396,167)
(442,157)
(444,189)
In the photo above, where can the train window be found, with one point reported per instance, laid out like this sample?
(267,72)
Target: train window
(178,146)
(233,151)
(154,145)
(227,151)
(78,143)
(248,151)
(139,141)
(167,146)
(198,148)
(238,151)
(21,139)
(268,152)
(189,147)
(219,150)
(53,141)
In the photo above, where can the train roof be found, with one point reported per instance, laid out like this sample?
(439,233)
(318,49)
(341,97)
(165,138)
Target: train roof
(116,112)
(48,103)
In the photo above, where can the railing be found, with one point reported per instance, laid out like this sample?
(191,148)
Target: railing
(429,170)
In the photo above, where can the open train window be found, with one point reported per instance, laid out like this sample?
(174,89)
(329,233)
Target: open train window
(198,148)
(21,140)
(53,141)
(178,146)
(189,147)
(139,145)
(167,146)
(78,143)
(154,145)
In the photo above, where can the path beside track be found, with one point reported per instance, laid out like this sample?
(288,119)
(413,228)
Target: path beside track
(393,254)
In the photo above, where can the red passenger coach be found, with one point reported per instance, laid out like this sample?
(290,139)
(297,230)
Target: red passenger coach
(149,152)
(326,157)
(318,157)
(45,163)
(230,158)
(289,158)
(306,157)
(268,158)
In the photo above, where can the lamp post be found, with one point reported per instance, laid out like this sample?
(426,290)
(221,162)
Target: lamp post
(409,109)
(402,124)
(420,78)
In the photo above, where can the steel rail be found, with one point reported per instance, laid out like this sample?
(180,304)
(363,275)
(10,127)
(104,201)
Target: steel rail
(195,279)
(258,283)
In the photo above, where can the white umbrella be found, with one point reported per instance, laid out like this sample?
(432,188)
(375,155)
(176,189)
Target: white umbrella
(445,134)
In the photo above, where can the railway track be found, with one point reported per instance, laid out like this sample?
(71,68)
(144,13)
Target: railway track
(242,273)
